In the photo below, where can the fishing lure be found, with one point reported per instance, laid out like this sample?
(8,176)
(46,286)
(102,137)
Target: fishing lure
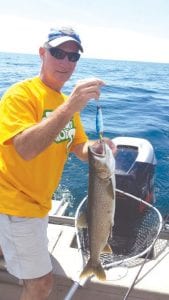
(99,122)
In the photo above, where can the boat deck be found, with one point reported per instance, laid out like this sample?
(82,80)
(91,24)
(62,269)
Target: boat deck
(152,283)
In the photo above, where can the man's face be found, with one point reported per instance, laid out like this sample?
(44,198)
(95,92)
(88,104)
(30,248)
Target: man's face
(55,72)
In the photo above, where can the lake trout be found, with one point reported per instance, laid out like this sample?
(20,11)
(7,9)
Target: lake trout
(100,206)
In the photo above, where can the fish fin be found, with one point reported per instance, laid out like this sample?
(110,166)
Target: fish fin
(97,270)
(82,221)
(107,249)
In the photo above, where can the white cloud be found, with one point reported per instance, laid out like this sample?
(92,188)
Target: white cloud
(25,35)
(115,43)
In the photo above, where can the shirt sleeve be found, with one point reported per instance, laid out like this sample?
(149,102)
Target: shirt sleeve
(80,136)
(16,113)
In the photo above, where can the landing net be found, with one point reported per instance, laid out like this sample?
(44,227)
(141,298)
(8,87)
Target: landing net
(130,240)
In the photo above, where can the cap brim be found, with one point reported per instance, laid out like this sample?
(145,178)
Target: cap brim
(63,39)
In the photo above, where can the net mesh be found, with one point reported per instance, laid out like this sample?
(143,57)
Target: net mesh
(132,238)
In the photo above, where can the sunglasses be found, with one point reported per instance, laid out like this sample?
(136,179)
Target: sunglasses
(61,54)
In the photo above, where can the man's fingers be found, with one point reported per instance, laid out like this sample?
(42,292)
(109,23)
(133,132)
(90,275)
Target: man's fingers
(91,82)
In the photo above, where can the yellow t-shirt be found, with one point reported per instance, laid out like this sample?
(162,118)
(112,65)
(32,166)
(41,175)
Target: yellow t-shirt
(26,187)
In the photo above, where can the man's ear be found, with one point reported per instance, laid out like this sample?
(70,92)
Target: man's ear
(41,51)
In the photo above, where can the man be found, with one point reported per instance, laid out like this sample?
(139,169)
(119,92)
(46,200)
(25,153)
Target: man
(39,126)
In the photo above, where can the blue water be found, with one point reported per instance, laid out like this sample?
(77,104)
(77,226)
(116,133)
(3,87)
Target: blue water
(135,102)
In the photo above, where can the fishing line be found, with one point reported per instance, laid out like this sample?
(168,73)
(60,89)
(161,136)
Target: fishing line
(99,122)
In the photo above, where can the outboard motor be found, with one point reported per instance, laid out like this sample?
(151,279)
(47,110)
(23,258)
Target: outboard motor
(135,170)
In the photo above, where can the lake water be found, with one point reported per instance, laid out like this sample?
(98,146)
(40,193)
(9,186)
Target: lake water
(135,102)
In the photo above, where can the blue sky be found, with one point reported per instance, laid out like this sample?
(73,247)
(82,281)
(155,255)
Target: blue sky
(115,29)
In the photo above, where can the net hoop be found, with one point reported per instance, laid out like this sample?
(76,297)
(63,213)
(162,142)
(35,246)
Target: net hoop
(121,259)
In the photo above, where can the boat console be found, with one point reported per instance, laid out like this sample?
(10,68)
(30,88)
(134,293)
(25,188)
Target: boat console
(135,172)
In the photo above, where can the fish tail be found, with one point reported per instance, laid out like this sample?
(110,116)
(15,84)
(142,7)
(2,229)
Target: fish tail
(96,270)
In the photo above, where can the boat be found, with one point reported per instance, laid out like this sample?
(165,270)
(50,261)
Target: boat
(137,275)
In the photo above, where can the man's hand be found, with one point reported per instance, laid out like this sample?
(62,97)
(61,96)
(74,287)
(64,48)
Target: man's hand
(84,91)
(81,150)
